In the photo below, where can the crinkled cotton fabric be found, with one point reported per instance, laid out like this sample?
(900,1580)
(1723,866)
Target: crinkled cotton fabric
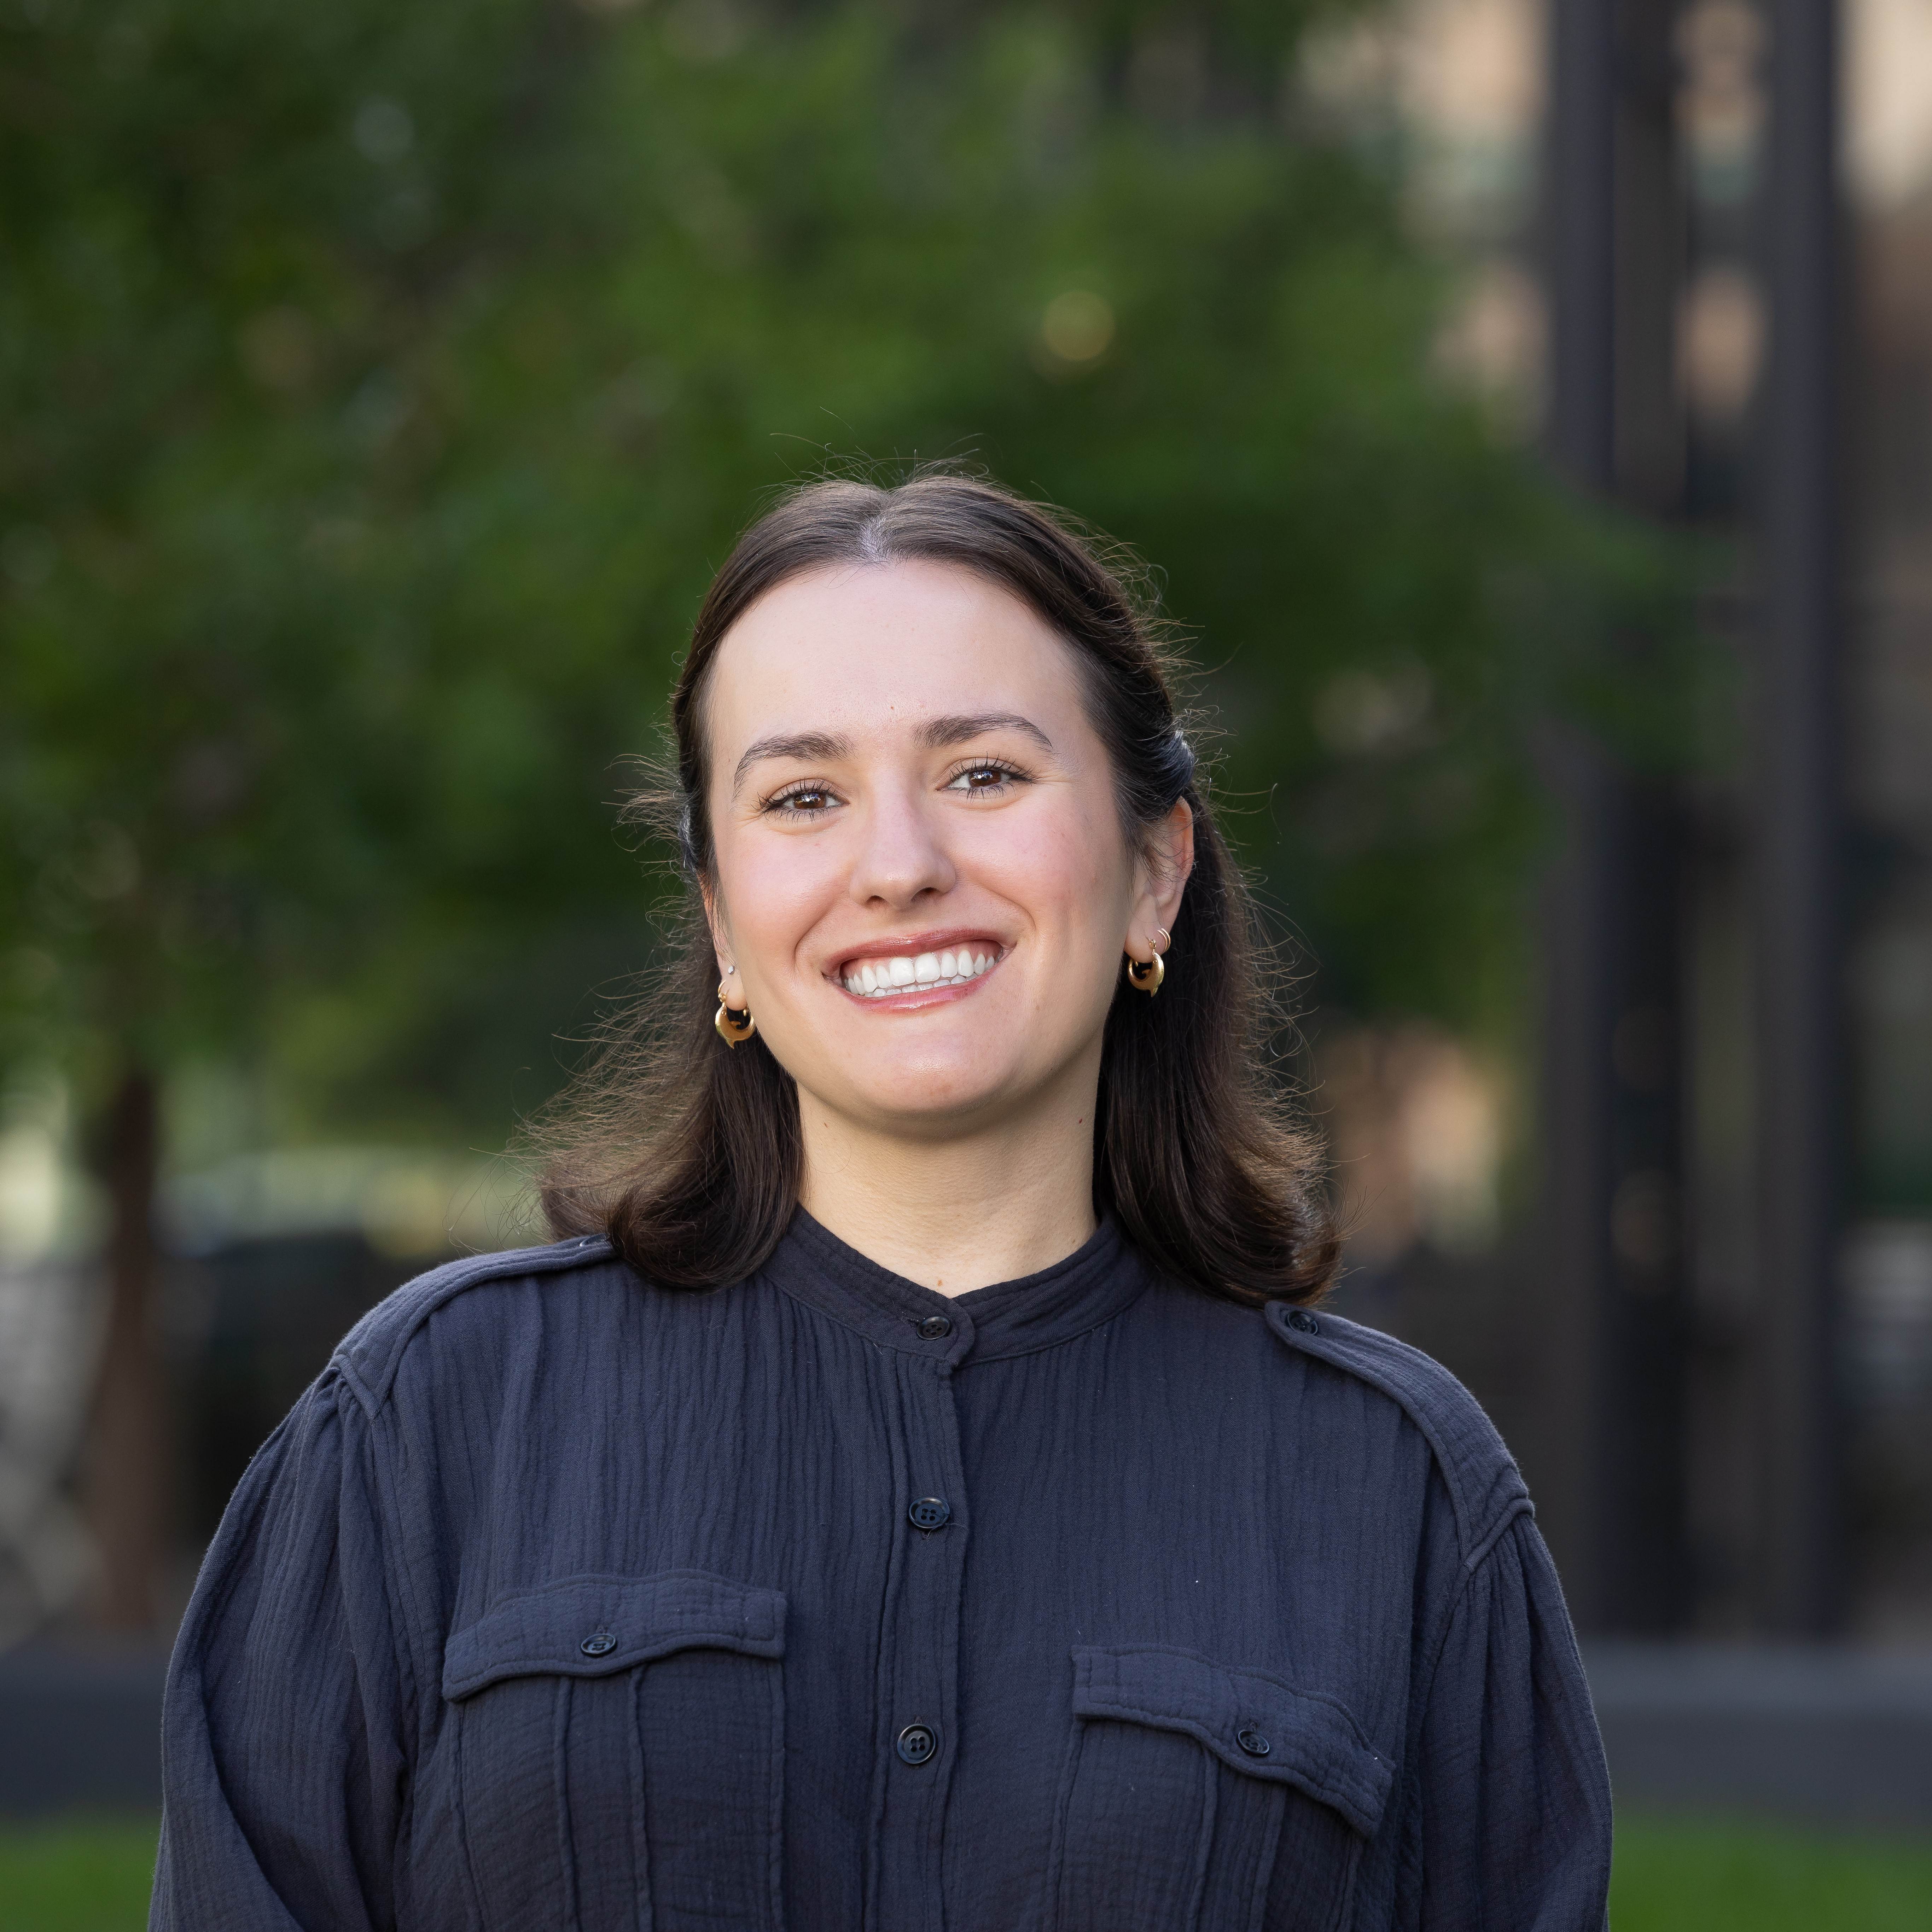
(1086,1603)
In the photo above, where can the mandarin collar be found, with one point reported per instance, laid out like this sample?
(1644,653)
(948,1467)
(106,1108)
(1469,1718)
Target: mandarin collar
(1098,1281)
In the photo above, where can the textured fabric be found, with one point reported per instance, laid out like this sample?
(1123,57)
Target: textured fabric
(563,1603)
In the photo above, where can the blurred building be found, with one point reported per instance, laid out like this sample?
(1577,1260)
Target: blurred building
(1888,1249)
(1695,246)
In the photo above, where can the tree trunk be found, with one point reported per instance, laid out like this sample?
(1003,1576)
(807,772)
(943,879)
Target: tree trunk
(127,1465)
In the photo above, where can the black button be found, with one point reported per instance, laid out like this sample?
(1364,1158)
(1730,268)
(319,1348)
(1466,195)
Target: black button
(1304,1322)
(936,1327)
(598,1643)
(918,1743)
(1252,1742)
(930,1513)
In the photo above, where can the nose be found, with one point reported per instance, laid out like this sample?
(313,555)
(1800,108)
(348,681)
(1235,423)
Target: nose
(900,859)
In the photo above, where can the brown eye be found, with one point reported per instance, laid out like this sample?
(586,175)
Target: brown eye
(982,778)
(808,803)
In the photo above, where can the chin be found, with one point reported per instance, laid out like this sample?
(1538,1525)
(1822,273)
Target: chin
(928,1103)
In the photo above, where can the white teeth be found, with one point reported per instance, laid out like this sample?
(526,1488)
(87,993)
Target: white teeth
(875,979)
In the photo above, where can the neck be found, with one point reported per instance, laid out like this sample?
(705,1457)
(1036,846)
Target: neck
(955,1214)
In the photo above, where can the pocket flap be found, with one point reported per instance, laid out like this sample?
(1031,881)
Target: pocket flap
(591,1626)
(1293,1737)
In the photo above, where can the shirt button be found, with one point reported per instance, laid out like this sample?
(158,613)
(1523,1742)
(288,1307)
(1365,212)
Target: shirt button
(930,1513)
(598,1643)
(936,1327)
(1252,1742)
(918,1743)
(1304,1322)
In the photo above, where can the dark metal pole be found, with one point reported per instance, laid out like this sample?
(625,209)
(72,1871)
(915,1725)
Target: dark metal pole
(1578,239)
(1801,1102)
(1607,1459)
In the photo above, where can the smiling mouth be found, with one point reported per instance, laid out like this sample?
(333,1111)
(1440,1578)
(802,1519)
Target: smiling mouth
(881,979)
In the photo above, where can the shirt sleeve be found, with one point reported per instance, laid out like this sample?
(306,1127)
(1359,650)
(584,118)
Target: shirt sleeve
(1513,1794)
(282,1764)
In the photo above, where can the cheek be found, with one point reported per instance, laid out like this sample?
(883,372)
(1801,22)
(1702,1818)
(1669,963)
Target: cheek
(774,891)
(1062,865)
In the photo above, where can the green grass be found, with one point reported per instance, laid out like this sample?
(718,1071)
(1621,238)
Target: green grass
(92,1876)
(76,1875)
(1673,1876)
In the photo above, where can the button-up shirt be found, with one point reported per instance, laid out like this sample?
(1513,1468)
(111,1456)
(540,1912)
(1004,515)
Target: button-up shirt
(1086,1603)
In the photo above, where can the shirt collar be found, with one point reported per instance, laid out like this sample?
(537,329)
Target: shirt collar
(1097,1281)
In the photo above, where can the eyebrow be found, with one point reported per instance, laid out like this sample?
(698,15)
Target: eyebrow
(936,734)
(809,744)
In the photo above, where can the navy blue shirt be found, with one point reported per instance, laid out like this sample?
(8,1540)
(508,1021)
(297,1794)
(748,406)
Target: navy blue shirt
(1086,1603)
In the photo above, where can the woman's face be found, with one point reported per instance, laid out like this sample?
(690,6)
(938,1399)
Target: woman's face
(922,889)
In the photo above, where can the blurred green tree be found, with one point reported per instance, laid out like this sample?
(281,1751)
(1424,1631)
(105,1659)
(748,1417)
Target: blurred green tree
(382,384)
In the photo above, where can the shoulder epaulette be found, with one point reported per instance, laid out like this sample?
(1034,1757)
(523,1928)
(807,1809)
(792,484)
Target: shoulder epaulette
(367,1357)
(1486,1489)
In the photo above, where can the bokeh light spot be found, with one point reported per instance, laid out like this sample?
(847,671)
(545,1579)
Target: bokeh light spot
(1077,326)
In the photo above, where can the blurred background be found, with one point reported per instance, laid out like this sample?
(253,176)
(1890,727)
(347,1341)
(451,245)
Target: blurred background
(1526,407)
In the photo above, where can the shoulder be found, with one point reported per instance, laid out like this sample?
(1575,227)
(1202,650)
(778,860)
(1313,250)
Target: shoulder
(368,1357)
(1485,1490)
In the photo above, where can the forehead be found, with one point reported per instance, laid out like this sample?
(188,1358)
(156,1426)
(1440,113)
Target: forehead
(868,650)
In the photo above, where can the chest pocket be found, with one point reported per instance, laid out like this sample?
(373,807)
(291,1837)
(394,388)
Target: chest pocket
(620,1743)
(1197,1796)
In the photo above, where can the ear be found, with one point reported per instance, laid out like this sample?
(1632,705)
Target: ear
(1167,858)
(722,946)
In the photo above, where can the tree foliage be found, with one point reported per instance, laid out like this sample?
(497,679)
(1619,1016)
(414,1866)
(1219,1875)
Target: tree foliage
(382,384)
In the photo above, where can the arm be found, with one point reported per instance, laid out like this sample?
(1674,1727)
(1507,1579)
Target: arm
(1514,1797)
(283,1765)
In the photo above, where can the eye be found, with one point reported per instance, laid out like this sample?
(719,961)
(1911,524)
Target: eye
(984,775)
(802,801)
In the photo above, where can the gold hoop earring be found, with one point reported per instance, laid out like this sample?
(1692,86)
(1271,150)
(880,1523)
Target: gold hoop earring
(735,1025)
(1145,976)
(1162,939)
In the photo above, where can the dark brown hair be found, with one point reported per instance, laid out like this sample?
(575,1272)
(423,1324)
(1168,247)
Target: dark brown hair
(688,1155)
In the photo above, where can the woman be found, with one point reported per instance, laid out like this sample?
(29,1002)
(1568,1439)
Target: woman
(915,1493)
